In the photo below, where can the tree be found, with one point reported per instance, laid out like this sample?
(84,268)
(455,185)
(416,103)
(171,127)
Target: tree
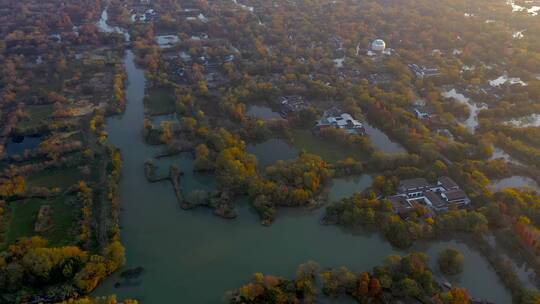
(12,186)
(202,161)
(363,285)
(406,287)
(115,253)
(450,261)
(375,288)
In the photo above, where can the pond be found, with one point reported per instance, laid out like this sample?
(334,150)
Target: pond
(158,119)
(347,186)
(272,150)
(306,140)
(194,257)
(382,142)
(18,144)
(476,269)
(472,122)
(515,182)
(262,112)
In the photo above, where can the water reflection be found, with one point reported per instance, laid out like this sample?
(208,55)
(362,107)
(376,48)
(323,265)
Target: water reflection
(17,145)
(271,151)
(347,186)
(381,141)
(262,112)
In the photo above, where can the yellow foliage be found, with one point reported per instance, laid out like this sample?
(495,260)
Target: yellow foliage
(12,186)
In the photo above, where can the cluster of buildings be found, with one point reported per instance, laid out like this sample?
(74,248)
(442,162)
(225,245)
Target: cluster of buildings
(334,118)
(423,72)
(143,15)
(180,64)
(291,104)
(331,118)
(380,78)
(437,197)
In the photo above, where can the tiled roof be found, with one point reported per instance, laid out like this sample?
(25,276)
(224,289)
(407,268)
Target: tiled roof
(413,183)
(448,183)
(455,195)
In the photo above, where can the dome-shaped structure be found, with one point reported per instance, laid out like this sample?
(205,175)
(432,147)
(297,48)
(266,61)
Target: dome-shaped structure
(378,45)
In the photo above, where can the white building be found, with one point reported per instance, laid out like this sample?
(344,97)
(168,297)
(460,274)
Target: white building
(438,197)
(343,121)
(378,45)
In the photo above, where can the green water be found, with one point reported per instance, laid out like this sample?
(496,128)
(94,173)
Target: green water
(382,142)
(272,150)
(345,187)
(194,257)
(262,112)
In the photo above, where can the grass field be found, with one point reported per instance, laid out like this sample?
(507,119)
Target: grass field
(22,216)
(61,178)
(38,114)
(160,101)
(307,141)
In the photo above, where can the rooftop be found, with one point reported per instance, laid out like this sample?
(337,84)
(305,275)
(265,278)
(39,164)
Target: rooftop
(447,183)
(414,183)
(436,200)
(341,121)
(455,195)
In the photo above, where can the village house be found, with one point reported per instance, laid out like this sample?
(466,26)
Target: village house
(486,91)
(446,133)
(229,58)
(380,78)
(422,110)
(142,14)
(333,118)
(423,72)
(437,197)
(422,114)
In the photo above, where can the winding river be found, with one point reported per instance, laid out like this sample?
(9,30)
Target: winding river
(195,257)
